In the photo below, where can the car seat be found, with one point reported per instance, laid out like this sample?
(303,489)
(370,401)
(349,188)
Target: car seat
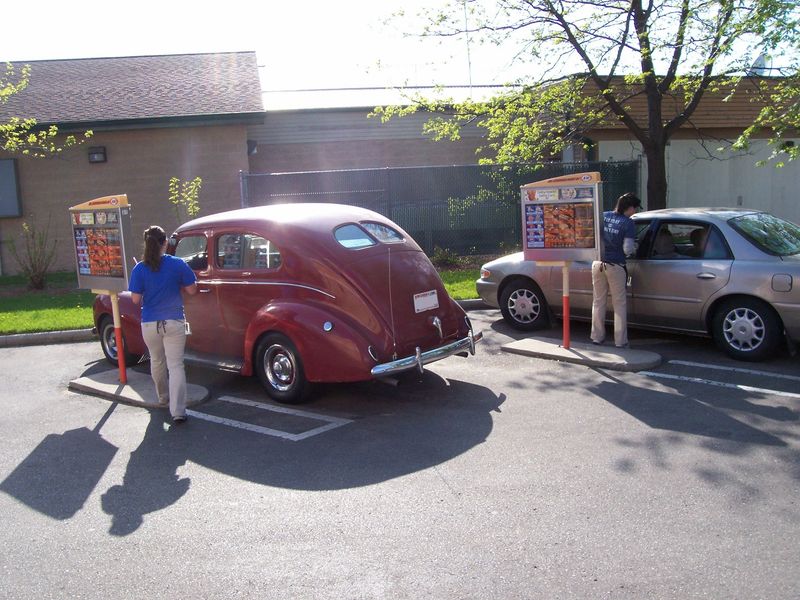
(664,246)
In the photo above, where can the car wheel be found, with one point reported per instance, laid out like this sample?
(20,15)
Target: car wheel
(108,341)
(746,329)
(523,305)
(280,369)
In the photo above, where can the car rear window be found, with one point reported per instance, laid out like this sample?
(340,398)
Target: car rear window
(352,236)
(769,233)
(383,233)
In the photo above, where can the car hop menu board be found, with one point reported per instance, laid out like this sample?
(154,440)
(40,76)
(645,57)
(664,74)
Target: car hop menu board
(560,218)
(101,229)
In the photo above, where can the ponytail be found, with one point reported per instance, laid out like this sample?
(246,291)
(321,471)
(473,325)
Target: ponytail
(154,238)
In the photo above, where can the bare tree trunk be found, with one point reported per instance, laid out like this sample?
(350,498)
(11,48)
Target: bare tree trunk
(656,176)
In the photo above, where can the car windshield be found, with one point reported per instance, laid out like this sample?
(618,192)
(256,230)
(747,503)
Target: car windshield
(771,234)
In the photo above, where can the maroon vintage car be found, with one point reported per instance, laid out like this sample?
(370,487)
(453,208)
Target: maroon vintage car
(303,293)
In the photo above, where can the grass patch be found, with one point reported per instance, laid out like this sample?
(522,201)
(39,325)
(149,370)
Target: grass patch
(54,280)
(460,283)
(59,307)
(49,310)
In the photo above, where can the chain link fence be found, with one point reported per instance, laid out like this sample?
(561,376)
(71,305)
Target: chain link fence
(468,210)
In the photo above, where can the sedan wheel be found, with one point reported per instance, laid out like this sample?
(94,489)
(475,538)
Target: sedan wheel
(523,306)
(746,329)
(280,369)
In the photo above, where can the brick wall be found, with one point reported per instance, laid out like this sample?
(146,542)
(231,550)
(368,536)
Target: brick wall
(140,164)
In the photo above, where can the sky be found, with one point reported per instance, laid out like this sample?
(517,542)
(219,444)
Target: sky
(315,44)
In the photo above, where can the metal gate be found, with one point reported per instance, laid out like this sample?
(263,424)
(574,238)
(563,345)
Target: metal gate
(468,210)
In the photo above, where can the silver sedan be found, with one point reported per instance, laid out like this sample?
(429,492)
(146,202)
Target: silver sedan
(733,274)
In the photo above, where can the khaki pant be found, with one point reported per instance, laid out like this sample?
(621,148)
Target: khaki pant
(166,341)
(605,277)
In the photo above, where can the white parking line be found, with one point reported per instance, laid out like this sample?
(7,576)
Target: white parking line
(331,422)
(687,363)
(744,388)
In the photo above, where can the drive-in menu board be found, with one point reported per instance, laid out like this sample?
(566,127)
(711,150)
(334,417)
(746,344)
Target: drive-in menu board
(100,230)
(560,218)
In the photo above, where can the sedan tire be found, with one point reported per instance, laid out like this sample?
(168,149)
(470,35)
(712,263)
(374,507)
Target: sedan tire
(746,329)
(523,305)
(280,369)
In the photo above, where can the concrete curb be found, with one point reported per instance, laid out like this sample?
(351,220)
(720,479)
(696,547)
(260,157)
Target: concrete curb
(604,357)
(47,337)
(138,391)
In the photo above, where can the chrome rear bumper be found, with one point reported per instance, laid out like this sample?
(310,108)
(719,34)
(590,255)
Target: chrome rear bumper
(419,359)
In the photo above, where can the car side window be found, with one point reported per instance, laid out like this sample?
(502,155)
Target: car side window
(193,249)
(716,248)
(246,251)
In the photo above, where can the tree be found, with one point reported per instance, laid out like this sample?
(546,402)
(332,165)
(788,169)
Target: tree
(780,116)
(24,136)
(185,195)
(662,55)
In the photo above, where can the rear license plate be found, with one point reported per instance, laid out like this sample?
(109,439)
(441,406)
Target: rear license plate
(426,301)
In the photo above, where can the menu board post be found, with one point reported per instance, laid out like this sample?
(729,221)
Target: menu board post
(101,234)
(561,219)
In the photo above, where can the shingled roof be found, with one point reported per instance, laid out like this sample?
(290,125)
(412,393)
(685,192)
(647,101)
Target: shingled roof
(108,90)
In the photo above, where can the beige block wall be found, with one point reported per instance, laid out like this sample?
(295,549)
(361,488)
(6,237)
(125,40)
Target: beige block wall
(281,158)
(140,164)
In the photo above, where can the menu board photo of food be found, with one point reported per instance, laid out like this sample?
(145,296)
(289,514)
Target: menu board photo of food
(559,225)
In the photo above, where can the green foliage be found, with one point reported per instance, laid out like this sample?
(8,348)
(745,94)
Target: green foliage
(23,135)
(185,197)
(36,256)
(779,117)
(665,55)
(442,258)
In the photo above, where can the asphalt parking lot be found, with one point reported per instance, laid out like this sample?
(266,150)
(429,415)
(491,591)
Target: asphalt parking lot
(493,476)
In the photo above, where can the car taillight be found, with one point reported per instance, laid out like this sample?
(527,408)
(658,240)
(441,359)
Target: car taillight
(485,273)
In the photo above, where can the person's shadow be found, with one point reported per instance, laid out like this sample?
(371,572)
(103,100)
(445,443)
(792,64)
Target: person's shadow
(151,481)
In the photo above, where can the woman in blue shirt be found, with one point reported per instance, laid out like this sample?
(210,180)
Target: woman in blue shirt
(610,273)
(157,282)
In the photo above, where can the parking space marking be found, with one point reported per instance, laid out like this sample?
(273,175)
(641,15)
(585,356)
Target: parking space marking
(687,363)
(330,422)
(744,388)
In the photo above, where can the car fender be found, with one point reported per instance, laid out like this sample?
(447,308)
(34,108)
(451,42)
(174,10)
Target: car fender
(340,354)
(751,283)
(130,320)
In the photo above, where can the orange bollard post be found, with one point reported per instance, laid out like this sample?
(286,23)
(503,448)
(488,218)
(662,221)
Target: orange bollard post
(565,303)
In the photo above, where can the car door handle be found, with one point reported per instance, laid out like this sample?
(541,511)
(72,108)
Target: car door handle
(204,290)
(706,276)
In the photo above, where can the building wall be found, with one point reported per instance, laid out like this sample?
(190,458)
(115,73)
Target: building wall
(325,156)
(701,175)
(140,164)
(346,138)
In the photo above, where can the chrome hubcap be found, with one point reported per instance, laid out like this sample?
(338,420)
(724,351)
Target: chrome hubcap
(111,342)
(279,367)
(524,306)
(743,329)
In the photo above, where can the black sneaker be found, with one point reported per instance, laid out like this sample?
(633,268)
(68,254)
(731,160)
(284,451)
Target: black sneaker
(179,419)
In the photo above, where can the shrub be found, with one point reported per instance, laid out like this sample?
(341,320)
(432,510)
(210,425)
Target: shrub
(37,256)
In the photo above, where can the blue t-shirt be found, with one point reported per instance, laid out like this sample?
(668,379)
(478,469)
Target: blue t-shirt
(616,228)
(161,290)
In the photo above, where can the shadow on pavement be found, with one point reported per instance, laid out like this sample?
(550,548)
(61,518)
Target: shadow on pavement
(683,414)
(60,474)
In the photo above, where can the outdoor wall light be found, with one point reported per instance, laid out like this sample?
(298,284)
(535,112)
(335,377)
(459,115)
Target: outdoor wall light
(97,154)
